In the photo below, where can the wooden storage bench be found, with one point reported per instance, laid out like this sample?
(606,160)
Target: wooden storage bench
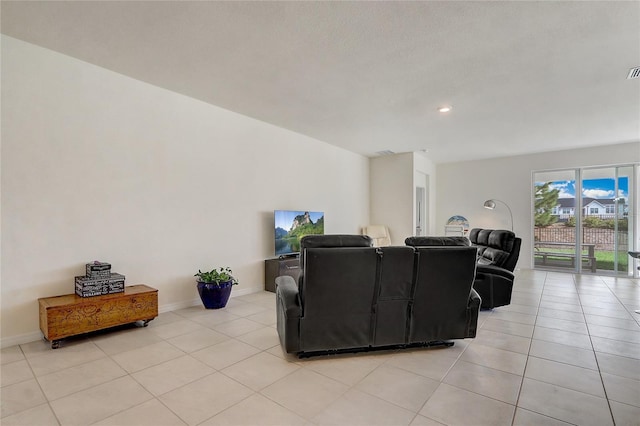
(70,314)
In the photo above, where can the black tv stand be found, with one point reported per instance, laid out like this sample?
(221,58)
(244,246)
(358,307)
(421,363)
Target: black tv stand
(282,265)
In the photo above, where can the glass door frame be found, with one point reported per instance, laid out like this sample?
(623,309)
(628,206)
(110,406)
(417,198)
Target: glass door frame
(577,268)
(632,217)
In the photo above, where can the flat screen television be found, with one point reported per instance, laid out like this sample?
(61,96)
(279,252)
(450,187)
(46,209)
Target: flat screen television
(291,225)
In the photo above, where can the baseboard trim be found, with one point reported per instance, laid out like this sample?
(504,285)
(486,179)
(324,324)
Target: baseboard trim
(33,336)
(245,291)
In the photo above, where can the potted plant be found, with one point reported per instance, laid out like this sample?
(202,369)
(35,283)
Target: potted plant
(215,286)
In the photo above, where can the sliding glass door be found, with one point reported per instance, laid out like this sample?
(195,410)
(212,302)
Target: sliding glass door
(555,233)
(605,211)
(582,219)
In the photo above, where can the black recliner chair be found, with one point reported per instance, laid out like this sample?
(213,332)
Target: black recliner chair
(498,252)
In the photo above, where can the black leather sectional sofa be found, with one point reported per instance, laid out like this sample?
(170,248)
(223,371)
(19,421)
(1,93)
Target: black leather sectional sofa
(352,297)
(498,253)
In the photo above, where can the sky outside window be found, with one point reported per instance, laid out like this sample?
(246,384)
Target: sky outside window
(592,188)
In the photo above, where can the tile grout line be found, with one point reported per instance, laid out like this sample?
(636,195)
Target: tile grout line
(441,382)
(257,392)
(593,351)
(635,316)
(157,397)
(254,392)
(130,374)
(526,363)
(604,388)
(39,387)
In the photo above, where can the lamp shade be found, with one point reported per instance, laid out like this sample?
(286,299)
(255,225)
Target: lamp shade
(490,204)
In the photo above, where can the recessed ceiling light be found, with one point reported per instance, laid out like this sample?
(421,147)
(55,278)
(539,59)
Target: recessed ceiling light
(445,108)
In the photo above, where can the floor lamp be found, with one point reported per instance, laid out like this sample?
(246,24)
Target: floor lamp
(491,204)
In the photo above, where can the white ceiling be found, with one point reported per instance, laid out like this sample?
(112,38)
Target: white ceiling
(369,76)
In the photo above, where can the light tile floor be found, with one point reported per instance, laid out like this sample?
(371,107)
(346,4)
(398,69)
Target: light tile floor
(566,351)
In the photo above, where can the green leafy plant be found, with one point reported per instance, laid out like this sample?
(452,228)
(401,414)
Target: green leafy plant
(216,275)
(546,200)
(595,222)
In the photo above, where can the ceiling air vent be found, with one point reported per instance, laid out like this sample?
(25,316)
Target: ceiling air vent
(385,152)
(634,73)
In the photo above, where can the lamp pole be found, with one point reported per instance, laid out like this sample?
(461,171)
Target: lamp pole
(491,204)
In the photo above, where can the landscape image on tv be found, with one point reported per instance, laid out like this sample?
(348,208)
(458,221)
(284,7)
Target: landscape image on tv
(291,226)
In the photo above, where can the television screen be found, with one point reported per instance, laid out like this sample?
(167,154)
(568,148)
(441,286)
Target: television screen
(291,225)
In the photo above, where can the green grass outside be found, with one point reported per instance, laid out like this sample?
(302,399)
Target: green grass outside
(604,260)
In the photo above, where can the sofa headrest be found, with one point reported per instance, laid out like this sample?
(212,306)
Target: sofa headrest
(497,247)
(500,239)
(437,241)
(328,241)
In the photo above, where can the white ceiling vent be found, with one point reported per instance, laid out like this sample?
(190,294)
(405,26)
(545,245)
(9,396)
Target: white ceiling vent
(634,73)
(385,152)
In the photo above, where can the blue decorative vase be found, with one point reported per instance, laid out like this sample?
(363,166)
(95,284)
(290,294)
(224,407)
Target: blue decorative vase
(215,295)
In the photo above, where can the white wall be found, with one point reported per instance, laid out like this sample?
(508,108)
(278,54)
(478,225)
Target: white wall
(423,166)
(463,187)
(392,195)
(98,166)
(393,182)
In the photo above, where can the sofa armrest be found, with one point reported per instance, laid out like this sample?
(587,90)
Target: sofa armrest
(494,285)
(495,270)
(474,300)
(473,309)
(288,313)
(288,297)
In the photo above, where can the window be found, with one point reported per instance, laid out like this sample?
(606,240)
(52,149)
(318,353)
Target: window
(602,246)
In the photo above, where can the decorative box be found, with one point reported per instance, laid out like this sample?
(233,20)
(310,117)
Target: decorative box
(87,286)
(98,270)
